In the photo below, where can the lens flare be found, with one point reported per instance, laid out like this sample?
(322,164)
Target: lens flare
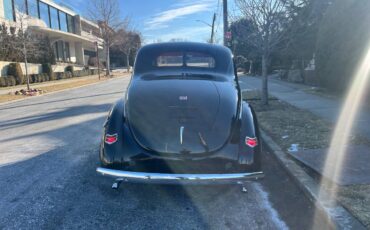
(343,129)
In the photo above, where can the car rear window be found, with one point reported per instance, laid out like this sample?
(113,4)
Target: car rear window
(170,59)
(189,59)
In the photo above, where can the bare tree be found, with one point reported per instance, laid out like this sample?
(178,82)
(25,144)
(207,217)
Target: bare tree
(128,40)
(267,16)
(25,42)
(106,13)
(128,43)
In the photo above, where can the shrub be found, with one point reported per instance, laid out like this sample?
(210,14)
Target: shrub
(3,82)
(69,68)
(39,78)
(46,77)
(33,78)
(46,68)
(93,72)
(25,79)
(81,73)
(60,75)
(10,81)
(15,70)
(68,74)
(76,73)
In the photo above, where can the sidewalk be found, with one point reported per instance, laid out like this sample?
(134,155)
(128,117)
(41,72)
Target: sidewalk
(295,94)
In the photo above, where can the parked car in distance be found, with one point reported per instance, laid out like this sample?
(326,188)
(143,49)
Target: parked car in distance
(182,119)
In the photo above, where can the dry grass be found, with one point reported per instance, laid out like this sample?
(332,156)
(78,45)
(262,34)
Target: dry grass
(7,97)
(57,86)
(67,85)
(356,198)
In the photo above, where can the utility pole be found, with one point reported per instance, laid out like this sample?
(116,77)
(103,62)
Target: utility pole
(97,57)
(226,24)
(212,40)
(213,28)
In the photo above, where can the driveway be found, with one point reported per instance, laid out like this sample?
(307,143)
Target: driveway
(48,155)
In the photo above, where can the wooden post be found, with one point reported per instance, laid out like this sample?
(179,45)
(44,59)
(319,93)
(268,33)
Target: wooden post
(213,28)
(97,58)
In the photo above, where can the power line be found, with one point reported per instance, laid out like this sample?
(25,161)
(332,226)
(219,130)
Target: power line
(218,16)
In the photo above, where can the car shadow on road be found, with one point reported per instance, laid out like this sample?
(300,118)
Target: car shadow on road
(23,104)
(67,112)
(60,187)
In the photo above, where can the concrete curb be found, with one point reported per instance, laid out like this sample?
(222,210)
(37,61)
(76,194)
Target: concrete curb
(328,207)
(27,98)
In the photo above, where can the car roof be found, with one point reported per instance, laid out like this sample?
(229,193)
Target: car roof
(148,53)
(187,45)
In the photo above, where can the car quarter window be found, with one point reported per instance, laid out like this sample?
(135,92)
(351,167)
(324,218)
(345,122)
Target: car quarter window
(197,59)
(169,59)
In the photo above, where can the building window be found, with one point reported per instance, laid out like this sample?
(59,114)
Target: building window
(20,6)
(9,10)
(70,24)
(63,21)
(44,13)
(54,20)
(67,54)
(61,51)
(33,8)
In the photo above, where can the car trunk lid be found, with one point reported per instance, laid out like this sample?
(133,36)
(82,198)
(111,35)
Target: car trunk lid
(180,116)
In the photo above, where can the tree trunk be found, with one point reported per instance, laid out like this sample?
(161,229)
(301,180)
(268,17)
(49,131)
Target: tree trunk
(128,61)
(250,67)
(26,66)
(107,60)
(264,96)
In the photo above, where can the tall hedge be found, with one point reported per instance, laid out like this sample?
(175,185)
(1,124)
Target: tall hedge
(46,68)
(343,39)
(15,70)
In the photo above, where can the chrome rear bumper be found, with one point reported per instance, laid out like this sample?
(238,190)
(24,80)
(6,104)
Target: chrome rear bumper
(178,178)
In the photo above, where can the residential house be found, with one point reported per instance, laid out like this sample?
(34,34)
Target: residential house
(74,39)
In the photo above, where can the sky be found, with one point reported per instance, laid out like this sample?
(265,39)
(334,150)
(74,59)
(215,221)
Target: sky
(163,20)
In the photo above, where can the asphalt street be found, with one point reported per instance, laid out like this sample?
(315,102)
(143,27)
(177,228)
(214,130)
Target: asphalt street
(49,153)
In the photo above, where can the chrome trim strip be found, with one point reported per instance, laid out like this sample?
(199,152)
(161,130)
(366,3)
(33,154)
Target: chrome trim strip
(181,133)
(168,177)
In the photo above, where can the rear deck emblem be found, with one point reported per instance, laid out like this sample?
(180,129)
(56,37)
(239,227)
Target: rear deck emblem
(181,134)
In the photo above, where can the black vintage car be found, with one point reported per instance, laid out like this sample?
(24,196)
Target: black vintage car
(182,120)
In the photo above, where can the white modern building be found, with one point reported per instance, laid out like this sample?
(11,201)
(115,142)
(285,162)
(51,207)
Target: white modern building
(74,39)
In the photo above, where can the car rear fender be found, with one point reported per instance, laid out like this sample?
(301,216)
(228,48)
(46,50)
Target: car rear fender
(113,127)
(248,129)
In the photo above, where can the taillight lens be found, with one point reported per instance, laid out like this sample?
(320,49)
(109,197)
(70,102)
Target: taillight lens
(111,138)
(251,141)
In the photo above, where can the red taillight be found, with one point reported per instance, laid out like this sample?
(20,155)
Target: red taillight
(251,142)
(110,139)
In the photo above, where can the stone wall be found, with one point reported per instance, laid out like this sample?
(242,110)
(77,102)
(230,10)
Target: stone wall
(34,68)
(1,9)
